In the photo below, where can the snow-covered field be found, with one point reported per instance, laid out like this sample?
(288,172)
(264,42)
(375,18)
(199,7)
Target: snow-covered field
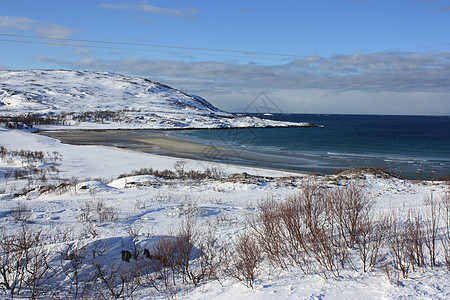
(145,208)
(97,222)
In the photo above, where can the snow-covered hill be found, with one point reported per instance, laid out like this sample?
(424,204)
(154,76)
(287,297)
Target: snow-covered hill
(108,100)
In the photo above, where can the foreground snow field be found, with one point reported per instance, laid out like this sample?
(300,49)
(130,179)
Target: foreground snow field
(144,208)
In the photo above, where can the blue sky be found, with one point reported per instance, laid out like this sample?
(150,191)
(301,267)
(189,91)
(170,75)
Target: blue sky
(374,57)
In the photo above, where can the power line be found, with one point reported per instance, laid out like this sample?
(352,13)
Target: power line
(161,46)
(133,49)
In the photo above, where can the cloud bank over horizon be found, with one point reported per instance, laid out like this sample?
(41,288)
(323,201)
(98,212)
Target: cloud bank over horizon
(372,72)
(358,83)
(343,57)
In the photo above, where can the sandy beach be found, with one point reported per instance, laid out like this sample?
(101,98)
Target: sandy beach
(163,143)
(150,142)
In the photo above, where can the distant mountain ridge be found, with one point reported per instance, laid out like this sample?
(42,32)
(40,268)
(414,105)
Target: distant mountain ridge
(78,97)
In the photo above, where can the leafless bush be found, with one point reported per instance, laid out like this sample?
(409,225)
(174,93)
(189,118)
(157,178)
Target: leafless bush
(179,167)
(112,281)
(391,274)
(328,250)
(37,271)
(350,206)
(180,173)
(432,219)
(24,263)
(268,231)
(246,260)
(184,249)
(398,243)
(200,258)
(311,230)
(445,207)
(371,239)
(294,232)
(301,229)
(99,278)
(21,213)
(12,268)
(72,261)
(163,263)
(97,211)
(416,237)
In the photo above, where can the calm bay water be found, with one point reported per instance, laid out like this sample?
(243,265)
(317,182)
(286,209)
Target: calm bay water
(412,146)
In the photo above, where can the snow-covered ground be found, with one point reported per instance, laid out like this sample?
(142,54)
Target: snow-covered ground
(102,100)
(152,207)
(82,211)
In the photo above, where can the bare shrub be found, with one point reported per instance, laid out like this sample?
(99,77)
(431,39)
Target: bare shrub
(391,274)
(180,173)
(185,239)
(432,219)
(268,231)
(445,207)
(371,239)
(21,213)
(398,243)
(350,206)
(317,233)
(416,238)
(37,277)
(294,232)
(97,211)
(162,263)
(301,229)
(179,167)
(24,263)
(212,261)
(73,259)
(112,281)
(246,260)
(105,280)
(328,251)
(12,270)
(199,257)
(306,219)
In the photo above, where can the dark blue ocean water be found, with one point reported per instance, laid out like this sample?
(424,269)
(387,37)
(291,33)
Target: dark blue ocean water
(411,146)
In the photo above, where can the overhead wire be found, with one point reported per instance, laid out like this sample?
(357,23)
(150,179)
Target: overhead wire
(179,49)
(136,49)
(69,42)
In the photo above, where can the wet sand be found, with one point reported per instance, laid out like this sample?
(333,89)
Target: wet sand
(163,143)
(156,142)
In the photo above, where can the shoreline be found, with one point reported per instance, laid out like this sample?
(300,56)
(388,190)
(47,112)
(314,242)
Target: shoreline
(184,146)
(55,128)
(164,145)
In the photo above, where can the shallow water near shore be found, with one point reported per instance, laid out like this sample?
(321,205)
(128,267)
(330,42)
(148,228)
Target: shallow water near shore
(411,146)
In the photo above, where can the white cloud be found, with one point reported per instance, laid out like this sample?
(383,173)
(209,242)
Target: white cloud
(83,52)
(21,23)
(374,72)
(122,6)
(143,6)
(359,83)
(54,31)
(42,28)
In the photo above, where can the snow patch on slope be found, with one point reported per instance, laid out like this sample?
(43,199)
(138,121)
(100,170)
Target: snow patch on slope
(126,102)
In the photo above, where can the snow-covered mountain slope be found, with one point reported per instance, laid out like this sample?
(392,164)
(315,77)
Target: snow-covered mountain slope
(77,97)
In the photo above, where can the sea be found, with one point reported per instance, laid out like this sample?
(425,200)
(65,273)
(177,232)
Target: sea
(414,147)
